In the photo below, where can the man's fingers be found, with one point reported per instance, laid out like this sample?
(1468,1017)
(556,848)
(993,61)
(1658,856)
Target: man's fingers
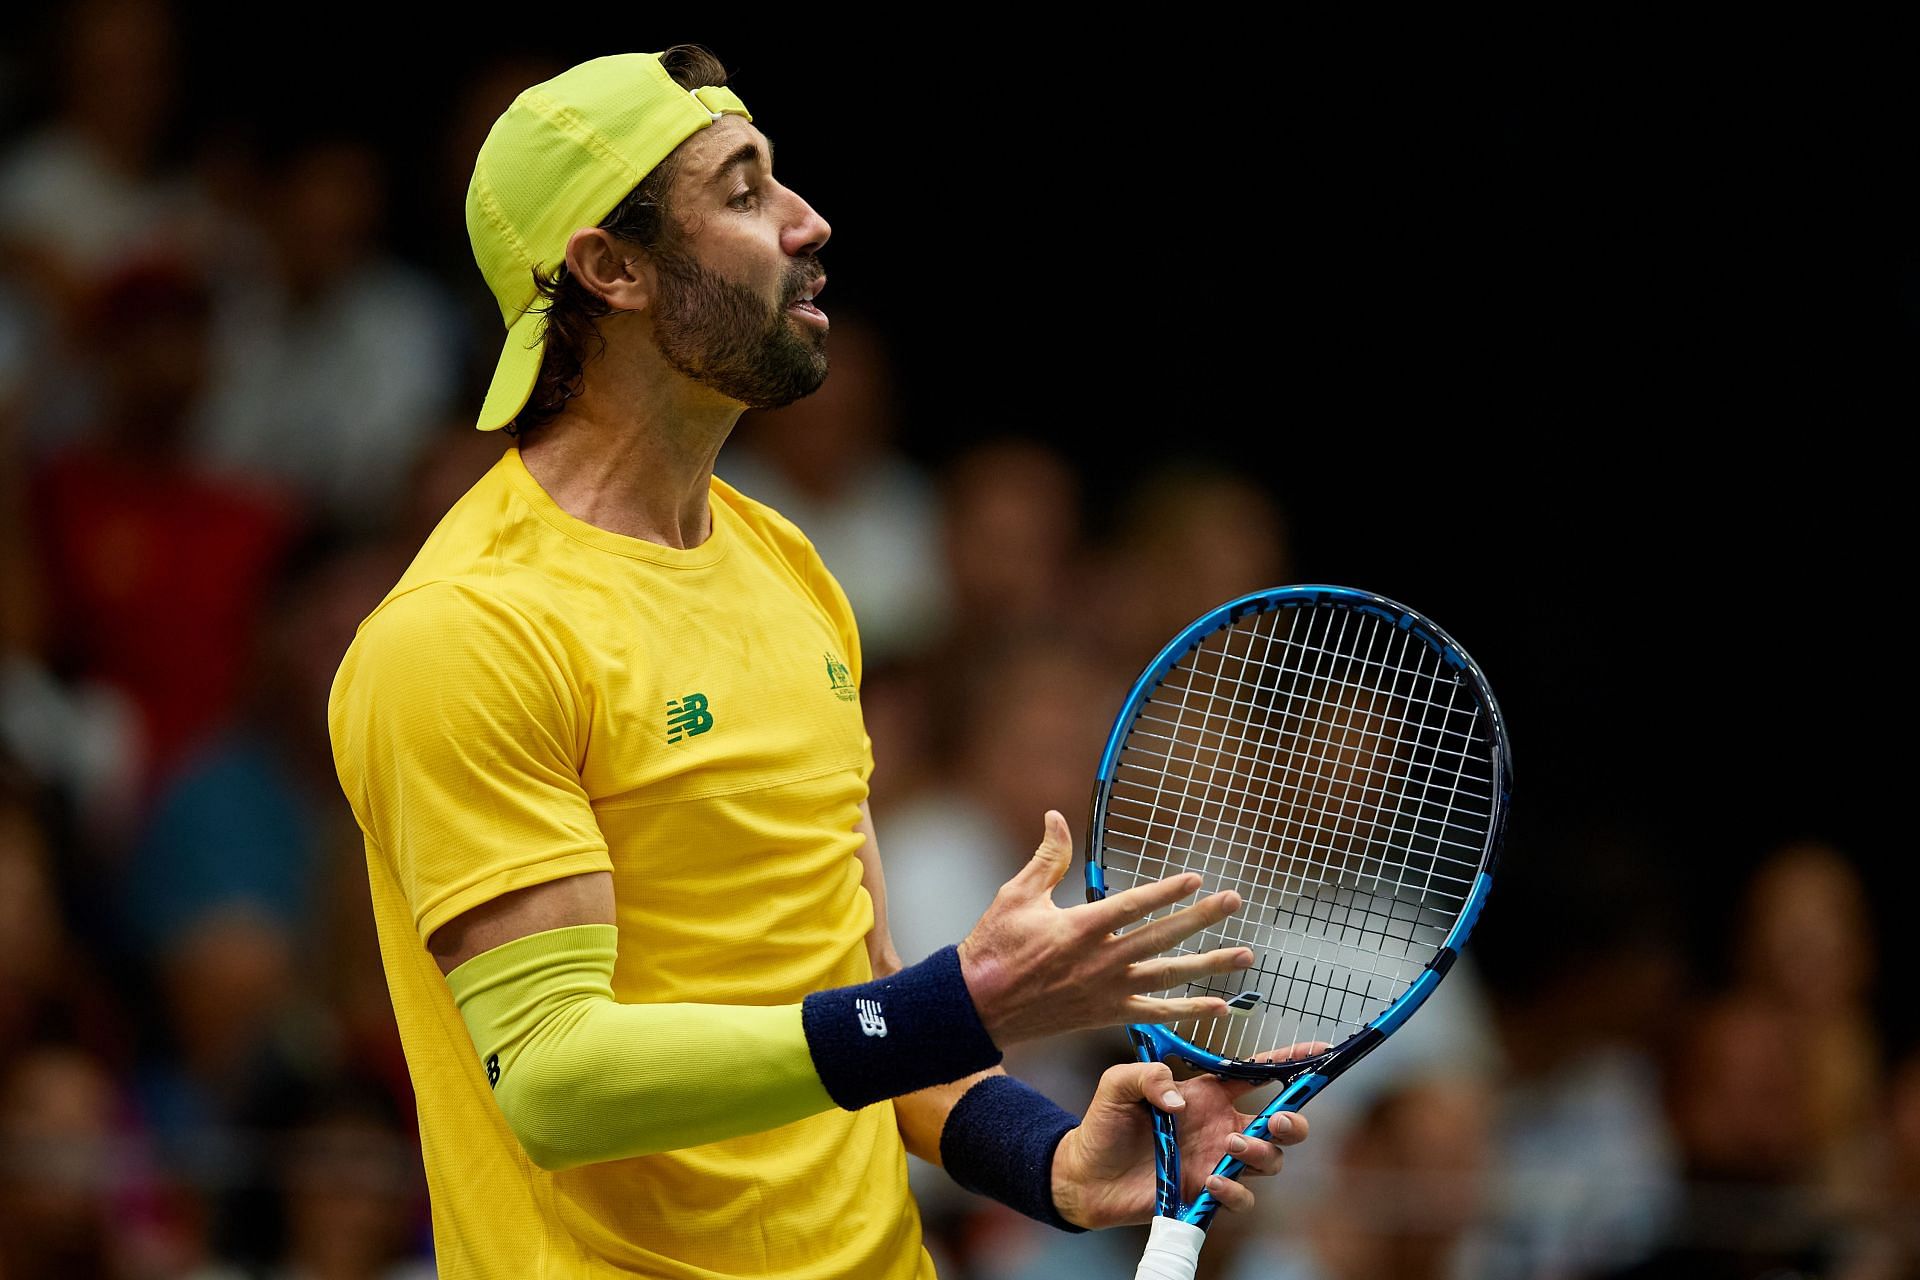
(1168,972)
(1259,1157)
(1140,901)
(1187,1009)
(1231,1195)
(1152,938)
(1050,861)
(1286,1129)
(1135,1082)
(1236,1085)
(1293,1052)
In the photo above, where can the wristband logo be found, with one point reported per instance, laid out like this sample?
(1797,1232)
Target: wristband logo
(872,1022)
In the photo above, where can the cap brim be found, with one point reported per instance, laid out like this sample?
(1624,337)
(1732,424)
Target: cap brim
(514,376)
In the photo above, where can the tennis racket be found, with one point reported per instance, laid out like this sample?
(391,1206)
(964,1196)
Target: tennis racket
(1340,762)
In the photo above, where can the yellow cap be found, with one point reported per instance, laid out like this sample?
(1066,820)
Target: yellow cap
(562,156)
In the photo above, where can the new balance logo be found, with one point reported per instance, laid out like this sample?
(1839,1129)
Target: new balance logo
(688,717)
(871,1020)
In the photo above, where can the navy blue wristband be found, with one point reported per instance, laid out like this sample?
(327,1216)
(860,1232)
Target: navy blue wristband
(897,1034)
(999,1142)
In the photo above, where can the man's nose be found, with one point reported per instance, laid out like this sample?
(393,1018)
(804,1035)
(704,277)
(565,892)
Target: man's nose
(808,233)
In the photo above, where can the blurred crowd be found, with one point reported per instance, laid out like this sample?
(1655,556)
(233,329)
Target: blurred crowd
(229,412)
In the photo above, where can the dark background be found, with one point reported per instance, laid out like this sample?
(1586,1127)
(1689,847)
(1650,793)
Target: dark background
(1598,350)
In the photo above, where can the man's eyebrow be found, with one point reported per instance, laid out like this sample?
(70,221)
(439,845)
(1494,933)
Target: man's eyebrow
(745,153)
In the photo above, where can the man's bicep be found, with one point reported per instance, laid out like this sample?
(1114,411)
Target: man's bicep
(556,904)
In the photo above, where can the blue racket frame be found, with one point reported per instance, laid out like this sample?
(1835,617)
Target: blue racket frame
(1308,1076)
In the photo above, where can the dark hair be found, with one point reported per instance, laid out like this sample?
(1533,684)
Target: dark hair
(570,307)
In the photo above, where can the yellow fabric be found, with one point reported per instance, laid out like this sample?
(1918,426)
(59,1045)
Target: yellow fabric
(502,719)
(561,156)
(582,1078)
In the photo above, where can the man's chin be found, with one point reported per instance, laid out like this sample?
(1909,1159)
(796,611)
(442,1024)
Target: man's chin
(786,398)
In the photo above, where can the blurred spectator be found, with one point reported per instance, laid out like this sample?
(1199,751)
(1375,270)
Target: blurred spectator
(1892,1249)
(333,360)
(89,188)
(1742,1110)
(244,821)
(1010,541)
(340,1192)
(1011,538)
(350,1181)
(253,842)
(1191,539)
(49,989)
(1029,724)
(227,987)
(19,598)
(1806,948)
(153,571)
(62,1166)
(829,464)
(1409,1188)
(1590,986)
(898,712)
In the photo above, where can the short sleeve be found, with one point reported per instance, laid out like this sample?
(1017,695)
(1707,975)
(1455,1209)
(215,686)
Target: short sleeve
(457,737)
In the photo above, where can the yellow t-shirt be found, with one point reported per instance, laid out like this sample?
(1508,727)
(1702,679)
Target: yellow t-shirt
(539,697)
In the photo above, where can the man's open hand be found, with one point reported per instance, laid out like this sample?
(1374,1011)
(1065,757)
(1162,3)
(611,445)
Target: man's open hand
(1035,969)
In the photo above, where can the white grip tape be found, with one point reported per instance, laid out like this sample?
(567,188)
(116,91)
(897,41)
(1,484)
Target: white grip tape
(1173,1251)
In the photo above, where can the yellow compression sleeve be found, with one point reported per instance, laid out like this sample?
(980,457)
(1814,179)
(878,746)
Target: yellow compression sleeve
(581,1077)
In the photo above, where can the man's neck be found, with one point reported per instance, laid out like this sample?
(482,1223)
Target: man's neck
(636,460)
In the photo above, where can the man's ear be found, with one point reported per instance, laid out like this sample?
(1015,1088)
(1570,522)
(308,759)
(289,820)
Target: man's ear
(618,271)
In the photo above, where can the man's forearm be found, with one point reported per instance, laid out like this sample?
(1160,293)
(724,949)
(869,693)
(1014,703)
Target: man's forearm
(922,1116)
(581,1077)
(994,1136)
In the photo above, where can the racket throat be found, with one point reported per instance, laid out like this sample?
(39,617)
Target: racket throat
(1166,1166)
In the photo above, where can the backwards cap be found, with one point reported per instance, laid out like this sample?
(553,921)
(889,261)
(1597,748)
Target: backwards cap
(562,156)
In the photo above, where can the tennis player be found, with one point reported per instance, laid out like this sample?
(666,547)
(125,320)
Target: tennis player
(604,741)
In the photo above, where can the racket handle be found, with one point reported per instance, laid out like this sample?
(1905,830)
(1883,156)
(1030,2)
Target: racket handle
(1173,1251)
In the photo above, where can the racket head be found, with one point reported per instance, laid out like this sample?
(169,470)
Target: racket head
(1340,761)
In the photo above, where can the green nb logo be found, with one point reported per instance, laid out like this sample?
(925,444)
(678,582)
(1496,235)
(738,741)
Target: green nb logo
(688,716)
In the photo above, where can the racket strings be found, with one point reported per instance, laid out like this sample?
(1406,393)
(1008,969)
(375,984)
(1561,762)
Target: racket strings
(1331,908)
(1328,766)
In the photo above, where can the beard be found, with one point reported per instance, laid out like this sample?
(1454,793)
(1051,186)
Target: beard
(725,336)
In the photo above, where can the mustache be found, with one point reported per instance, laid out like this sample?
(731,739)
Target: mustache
(811,271)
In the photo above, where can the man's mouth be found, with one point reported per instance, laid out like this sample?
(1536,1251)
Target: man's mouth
(803,304)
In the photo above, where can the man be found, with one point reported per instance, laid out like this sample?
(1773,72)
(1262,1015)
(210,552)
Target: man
(604,741)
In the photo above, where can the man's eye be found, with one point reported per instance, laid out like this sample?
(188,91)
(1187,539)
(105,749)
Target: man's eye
(743,200)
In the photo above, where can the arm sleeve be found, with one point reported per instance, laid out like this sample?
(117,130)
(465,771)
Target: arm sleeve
(580,1077)
(458,737)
